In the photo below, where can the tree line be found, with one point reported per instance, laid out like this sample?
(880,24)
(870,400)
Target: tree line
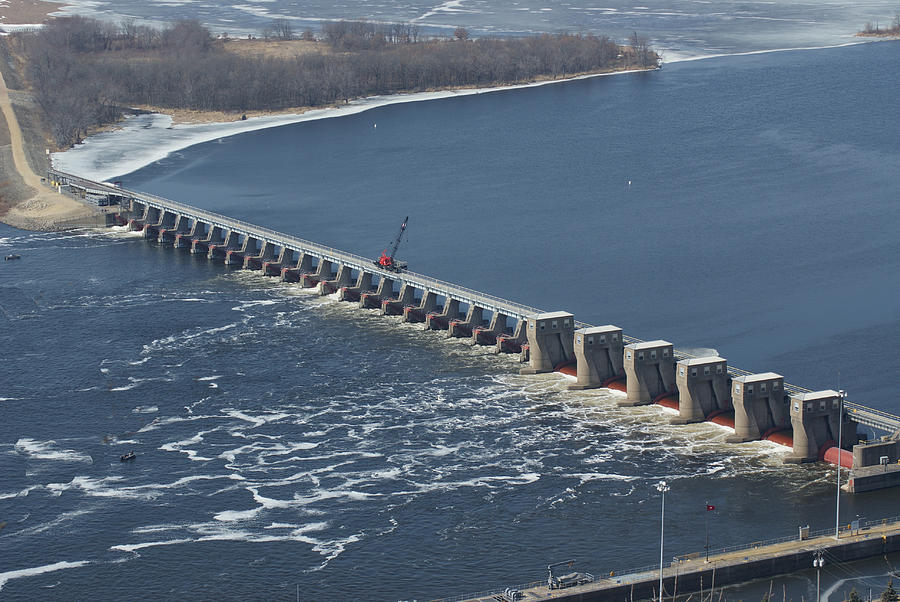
(83,72)
(876,29)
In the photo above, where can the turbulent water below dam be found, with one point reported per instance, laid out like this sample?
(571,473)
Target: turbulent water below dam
(286,441)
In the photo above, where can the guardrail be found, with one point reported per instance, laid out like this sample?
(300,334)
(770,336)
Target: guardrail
(641,574)
(491,592)
(427,283)
(862,414)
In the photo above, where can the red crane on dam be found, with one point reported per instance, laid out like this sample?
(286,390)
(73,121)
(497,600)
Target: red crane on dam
(387,262)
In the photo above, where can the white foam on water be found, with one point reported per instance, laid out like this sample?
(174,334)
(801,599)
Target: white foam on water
(39,570)
(22,493)
(145,410)
(257,420)
(10,398)
(257,303)
(97,488)
(157,423)
(237,515)
(149,544)
(59,520)
(180,446)
(125,387)
(46,450)
(205,378)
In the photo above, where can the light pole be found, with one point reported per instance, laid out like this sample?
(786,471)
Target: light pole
(837,494)
(706,525)
(818,562)
(661,487)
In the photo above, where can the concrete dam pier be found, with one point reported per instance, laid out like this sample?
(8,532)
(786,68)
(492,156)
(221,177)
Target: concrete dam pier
(816,425)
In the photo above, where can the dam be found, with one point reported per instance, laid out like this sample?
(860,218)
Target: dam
(817,425)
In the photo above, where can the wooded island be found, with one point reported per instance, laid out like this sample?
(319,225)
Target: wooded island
(86,73)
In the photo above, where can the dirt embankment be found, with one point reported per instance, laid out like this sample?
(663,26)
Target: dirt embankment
(26,201)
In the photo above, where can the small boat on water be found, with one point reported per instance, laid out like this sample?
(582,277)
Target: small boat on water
(13,256)
(127,457)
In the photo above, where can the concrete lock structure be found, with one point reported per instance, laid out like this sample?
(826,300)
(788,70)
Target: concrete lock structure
(649,372)
(487,335)
(184,241)
(266,253)
(167,235)
(551,338)
(703,389)
(236,257)
(323,272)
(599,353)
(440,320)
(353,293)
(395,307)
(596,356)
(215,236)
(875,466)
(303,265)
(461,328)
(816,417)
(760,406)
(344,277)
(372,300)
(513,343)
(272,267)
(426,306)
(221,251)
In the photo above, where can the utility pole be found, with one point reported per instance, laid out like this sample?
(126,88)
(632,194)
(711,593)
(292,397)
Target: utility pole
(706,524)
(837,495)
(662,487)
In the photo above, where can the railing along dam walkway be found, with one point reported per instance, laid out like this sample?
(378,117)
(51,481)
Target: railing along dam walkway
(756,405)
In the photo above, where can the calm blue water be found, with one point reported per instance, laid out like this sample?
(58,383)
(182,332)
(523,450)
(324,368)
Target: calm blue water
(288,441)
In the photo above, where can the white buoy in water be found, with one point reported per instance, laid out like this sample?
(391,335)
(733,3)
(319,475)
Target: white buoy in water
(375,126)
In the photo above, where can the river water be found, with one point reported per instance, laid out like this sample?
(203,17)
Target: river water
(292,443)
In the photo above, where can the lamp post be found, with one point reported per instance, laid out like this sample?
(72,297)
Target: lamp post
(837,494)
(818,562)
(662,487)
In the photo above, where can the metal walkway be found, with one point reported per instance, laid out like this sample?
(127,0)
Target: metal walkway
(279,239)
(859,413)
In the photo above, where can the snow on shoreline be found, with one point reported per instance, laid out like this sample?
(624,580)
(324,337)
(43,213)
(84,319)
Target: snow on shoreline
(144,139)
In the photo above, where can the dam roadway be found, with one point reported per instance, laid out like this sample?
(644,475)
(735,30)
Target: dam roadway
(693,573)
(818,425)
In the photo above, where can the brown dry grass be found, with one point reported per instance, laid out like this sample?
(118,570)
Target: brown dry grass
(26,11)
(182,116)
(884,33)
(274,49)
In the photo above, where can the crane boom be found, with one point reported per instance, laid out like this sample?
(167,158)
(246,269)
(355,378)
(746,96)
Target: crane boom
(387,261)
(399,238)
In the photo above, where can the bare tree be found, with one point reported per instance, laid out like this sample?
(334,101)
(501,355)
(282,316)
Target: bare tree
(81,80)
(279,29)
